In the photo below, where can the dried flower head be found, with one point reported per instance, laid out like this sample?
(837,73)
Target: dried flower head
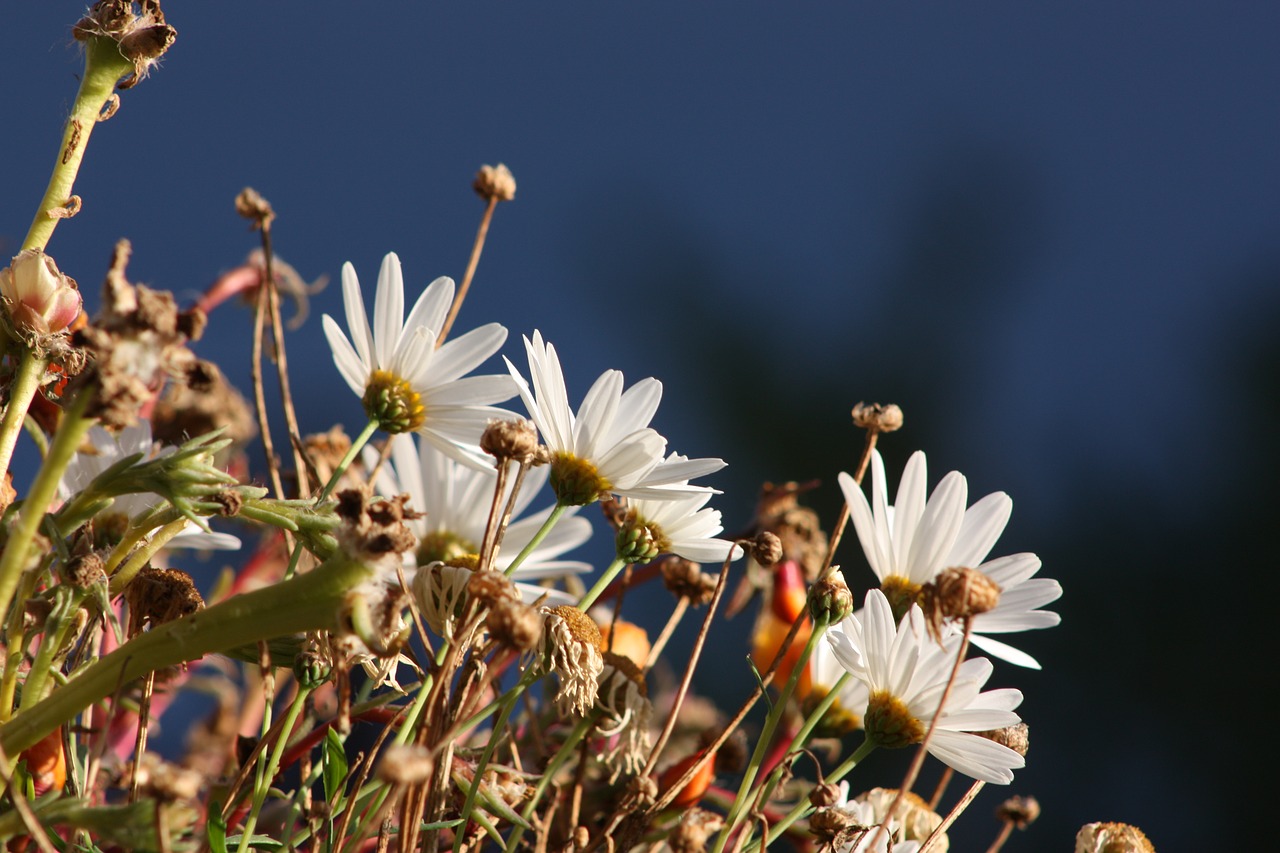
(571,648)
(514,623)
(1015,737)
(957,594)
(686,579)
(39,300)
(184,412)
(695,827)
(405,764)
(877,417)
(766,548)
(515,440)
(495,183)
(824,795)
(157,596)
(141,37)
(624,698)
(914,819)
(1019,811)
(440,591)
(831,823)
(167,782)
(490,587)
(1112,838)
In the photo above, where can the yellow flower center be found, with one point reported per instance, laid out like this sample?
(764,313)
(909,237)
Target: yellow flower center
(889,723)
(576,481)
(443,546)
(393,403)
(901,593)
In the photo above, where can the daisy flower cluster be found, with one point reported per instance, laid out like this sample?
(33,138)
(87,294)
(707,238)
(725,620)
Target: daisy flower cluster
(520,695)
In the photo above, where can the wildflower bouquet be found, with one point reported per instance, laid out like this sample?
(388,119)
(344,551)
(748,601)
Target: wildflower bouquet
(406,656)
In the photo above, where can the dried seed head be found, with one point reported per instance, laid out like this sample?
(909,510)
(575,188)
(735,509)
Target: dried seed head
(571,647)
(40,300)
(624,699)
(326,449)
(825,795)
(828,824)
(957,593)
(514,623)
(766,548)
(695,827)
(1112,838)
(252,206)
(1019,811)
(877,417)
(167,782)
(405,764)
(85,570)
(731,758)
(1015,737)
(685,579)
(141,37)
(490,587)
(515,440)
(183,412)
(157,596)
(495,183)
(374,530)
(641,793)
(830,599)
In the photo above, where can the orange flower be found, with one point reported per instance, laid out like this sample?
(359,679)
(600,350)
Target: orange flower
(692,792)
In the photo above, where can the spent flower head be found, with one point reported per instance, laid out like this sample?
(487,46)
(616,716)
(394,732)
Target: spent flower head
(40,301)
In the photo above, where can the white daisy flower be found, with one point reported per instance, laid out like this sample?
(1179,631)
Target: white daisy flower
(607,446)
(907,673)
(408,384)
(909,542)
(108,449)
(684,526)
(456,500)
(845,715)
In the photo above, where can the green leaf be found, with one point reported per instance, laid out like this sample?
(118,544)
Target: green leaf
(216,829)
(335,765)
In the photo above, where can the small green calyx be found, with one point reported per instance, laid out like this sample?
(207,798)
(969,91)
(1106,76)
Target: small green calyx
(576,481)
(443,546)
(639,541)
(393,403)
(889,723)
(901,593)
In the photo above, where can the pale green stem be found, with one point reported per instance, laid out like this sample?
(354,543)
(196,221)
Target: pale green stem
(267,772)
(743,800)
(127,572)
(66,442)
(605,579)
(556,513)
(21,392)
(61,619)
(815,717)
(103,68)
(557,761)
(803,807)
(310,602)
(508,700)
(16,645)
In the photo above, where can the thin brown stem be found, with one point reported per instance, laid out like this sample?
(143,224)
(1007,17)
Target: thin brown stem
(955,812)
(1001,838)
(140,742)
(943,782)
(282,362)
(918,761)
(476,249)
(260,396)
(682,606)
(688,674)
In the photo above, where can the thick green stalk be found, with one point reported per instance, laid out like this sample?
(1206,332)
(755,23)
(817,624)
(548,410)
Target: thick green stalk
(71,433)
(21,392)
(103,68)
(305,603)
(600,585)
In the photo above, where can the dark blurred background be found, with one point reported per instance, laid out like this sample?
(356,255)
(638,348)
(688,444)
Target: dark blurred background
(1049,233)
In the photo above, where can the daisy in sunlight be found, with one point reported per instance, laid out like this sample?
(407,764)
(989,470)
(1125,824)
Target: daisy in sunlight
(406,382)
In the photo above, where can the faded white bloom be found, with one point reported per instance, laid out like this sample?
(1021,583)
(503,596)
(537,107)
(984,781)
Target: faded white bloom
(40,299)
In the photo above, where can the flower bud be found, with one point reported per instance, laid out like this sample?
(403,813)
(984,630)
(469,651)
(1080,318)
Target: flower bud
(766,548)
(1019,811)
(495,183)
(514,439)
(830,599)
(40,299)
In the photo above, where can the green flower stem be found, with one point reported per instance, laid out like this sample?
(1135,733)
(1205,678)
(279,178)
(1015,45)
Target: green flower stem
(508,700)
(356,446)
(602,584)
(308,602)
(16,642)
(553,767)
(803,807)
(66,601)
(23,390)
(103,68)
(66,442)
(139,558)
(556,513)
(267,772)
(743,800)
(811,722)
